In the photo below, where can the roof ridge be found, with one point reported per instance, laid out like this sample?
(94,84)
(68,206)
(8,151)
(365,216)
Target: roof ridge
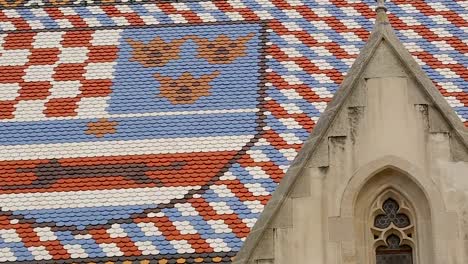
(381,11)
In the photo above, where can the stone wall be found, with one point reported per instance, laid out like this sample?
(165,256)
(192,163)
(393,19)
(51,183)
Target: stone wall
(387,126)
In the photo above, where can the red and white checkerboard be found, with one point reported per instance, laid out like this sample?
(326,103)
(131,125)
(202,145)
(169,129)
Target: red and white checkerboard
(58,74)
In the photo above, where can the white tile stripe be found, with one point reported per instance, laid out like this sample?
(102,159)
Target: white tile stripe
(198,112)
(94,198)
(98,114)
(123,147)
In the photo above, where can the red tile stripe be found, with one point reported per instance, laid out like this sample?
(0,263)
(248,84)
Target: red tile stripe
(233,221)
(22,173)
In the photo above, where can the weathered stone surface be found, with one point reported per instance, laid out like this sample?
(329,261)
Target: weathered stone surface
(388,131)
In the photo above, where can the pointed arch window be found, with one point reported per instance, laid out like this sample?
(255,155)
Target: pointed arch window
(393,221)
(393,233)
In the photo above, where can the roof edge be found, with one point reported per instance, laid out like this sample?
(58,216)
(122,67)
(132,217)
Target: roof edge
(309,147)
(415,70)
(382,31)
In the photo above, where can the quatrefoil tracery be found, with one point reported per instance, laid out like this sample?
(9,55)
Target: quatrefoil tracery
(391,223)
(391,208)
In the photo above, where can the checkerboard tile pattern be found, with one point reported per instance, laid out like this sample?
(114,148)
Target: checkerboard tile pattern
(98,164)
(55,74)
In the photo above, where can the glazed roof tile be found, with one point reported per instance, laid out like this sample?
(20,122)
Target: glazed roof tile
(156,132)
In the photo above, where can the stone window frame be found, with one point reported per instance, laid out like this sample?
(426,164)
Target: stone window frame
(406,234)
(391,183)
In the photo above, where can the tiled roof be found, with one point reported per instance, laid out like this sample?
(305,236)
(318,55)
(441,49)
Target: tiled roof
(155,132)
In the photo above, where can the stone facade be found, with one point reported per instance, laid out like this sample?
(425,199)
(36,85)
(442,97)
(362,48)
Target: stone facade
(388,133)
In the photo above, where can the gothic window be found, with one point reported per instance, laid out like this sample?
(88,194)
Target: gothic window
(394,252)
(393,234)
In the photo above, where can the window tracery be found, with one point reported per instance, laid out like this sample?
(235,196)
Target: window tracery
(393,231)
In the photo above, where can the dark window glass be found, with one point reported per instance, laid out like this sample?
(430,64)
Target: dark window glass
(394,253)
